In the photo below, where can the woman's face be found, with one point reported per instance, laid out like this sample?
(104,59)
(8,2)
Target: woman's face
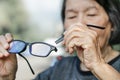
(88,12)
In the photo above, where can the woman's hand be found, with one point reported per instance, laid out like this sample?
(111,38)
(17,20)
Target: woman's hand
(85,41)
(8,62)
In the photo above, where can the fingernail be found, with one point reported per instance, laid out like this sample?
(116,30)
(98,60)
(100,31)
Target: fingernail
(6,55)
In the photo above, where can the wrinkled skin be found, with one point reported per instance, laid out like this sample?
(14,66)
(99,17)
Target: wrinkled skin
(90,43)
(8,62)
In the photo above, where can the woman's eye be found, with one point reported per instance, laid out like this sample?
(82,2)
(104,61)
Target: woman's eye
(91,14)
(71,17)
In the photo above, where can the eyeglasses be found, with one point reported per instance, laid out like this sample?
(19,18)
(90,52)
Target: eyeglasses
(39,49)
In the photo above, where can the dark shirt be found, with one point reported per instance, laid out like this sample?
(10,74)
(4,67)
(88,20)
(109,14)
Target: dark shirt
(69,69)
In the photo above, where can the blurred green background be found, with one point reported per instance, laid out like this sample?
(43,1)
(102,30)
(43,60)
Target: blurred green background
(13,18)
(27,20)
(31,20)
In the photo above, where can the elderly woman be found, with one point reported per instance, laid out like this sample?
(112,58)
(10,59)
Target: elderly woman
(91,28)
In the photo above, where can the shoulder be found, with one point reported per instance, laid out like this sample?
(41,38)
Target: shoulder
(119,52)
(116,63)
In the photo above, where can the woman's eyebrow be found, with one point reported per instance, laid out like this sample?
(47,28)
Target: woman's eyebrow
(85,10)
(90,8)
(70,10)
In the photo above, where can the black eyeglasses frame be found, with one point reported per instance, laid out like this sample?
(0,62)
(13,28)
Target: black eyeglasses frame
(52,48)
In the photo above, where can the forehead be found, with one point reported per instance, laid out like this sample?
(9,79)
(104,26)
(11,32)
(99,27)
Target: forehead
(81,4)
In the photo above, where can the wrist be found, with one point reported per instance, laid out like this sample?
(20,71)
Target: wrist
(98,70)
(99,66)
(105,72)
(8,77)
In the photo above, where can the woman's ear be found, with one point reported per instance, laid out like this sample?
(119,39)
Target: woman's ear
(112,29)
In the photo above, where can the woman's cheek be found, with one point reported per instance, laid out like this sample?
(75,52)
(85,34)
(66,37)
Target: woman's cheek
(103,40)
(66,25)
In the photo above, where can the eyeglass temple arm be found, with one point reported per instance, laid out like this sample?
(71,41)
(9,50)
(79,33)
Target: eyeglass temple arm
(28,64)
(59,39)
(99,27)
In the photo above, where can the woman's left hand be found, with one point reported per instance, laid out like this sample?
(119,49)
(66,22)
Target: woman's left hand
(85,41)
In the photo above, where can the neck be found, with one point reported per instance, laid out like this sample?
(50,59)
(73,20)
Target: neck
(108,54)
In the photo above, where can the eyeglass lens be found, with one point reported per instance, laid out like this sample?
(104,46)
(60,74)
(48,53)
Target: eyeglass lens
(17,46)
(40,49)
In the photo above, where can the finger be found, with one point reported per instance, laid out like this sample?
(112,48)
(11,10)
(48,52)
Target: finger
(80,53)
(84,26)
(80,37)
(74,42)
(77,24)
(85,35)
(74,35)
(73,28)
(70,50)
(1,55)
(71,45)
(92,33)
(79,27)
(4,42)
(3,52)
(70,27)
(86,29)
(8,37)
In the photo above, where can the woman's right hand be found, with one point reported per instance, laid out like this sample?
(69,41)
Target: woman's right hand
(8,62)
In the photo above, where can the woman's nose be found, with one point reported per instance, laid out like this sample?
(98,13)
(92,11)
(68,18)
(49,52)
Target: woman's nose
(81,19)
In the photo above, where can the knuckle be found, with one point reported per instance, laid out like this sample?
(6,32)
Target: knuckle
(6,46)
(8,37)
(9,34)
(70,45)
(95,34)
(1,38)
